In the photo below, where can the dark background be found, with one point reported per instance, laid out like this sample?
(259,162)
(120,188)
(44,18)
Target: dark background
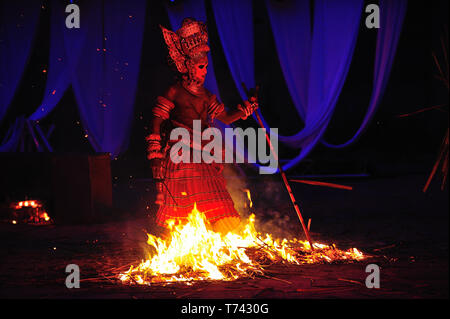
(387,210)
(391,145)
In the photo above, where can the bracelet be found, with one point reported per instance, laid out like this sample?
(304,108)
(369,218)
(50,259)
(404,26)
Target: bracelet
(153,137)
(154,147)
(154,154)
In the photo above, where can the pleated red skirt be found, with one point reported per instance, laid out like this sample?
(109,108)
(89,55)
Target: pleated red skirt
(199,183)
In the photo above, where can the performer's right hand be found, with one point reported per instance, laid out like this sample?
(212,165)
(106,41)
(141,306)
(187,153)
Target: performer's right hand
(157,168)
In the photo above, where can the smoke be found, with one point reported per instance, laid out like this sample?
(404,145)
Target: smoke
(236,183)
(271,204)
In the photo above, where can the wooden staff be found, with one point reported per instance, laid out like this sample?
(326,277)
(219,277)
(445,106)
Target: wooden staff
(283,175)
(322,184)
(442,151)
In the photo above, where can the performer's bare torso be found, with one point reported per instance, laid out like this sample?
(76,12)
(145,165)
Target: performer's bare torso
(189,107)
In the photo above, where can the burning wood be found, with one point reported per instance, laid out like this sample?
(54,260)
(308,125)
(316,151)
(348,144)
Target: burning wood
(194,252)
(29,212)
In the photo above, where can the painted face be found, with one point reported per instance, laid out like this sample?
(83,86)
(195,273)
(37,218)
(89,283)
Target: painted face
(198,70)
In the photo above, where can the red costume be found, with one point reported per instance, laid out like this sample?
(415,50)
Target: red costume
(180,185)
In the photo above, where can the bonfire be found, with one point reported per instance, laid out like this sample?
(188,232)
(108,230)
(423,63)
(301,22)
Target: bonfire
(194,252)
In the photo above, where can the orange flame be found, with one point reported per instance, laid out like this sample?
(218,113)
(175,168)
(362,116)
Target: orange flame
(249,197)
(195,252)
(45,216)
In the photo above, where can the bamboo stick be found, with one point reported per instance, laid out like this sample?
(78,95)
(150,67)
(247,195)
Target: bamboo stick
(283,175)
(436,164)
(322,184)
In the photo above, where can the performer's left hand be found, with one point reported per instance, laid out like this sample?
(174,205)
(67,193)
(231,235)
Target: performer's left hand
(252,104)
(249,107)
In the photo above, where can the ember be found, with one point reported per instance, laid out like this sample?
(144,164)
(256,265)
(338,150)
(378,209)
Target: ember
(195,252)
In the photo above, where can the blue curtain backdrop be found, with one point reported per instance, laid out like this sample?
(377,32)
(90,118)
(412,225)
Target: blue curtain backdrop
(234,20)
(392,14)
(101,60)
(11,140)
(105,78)
(60,68)
(283,17)
(335,30)
(18,24)
(291,28)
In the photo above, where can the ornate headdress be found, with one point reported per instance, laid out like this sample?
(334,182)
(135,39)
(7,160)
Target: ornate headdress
(188,42)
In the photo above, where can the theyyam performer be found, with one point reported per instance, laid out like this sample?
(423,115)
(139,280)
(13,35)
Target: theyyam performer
(181,184)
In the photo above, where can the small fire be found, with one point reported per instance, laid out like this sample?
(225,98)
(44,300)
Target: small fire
(249,197)
(45,216)
(195,252)
(30,212)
